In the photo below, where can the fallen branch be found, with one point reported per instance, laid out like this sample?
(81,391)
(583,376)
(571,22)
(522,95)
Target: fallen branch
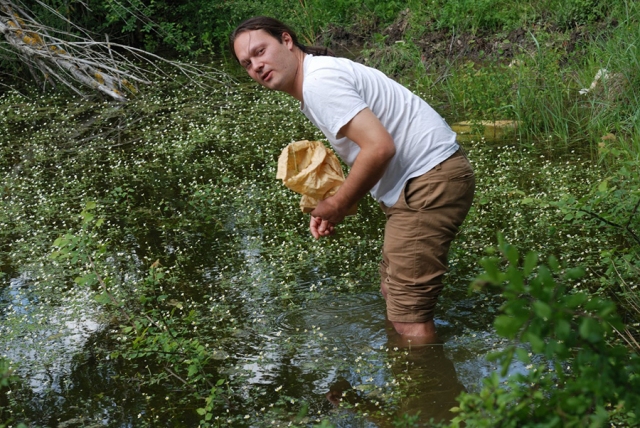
(80,61)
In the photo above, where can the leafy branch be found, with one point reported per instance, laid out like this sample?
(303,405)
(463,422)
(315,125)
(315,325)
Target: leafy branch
(565,339)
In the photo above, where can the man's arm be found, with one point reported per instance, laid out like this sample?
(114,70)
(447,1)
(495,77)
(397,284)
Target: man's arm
(376,150)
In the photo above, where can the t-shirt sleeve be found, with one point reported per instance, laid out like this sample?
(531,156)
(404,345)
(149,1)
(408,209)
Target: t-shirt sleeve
(333,98)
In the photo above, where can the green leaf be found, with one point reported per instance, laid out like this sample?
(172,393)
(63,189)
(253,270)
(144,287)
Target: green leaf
(201,411)
(602,187)
(575,273)
(542,310)
(523,355)
(563,329)
(88,279)
(590,330)
(606,309)
(515,278)
(60,242)
(530,262)
(193,369)
(507,326)
(537,344)
(575,300)
(86,216)
(593,304)
(547,279)
(102,298)
(511,253)
(493,274)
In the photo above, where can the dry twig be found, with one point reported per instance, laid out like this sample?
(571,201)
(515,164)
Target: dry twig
(78,61)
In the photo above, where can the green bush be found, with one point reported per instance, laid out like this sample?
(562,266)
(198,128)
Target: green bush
(577,373)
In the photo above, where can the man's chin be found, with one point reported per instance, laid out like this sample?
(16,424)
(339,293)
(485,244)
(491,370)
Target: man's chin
(271,85)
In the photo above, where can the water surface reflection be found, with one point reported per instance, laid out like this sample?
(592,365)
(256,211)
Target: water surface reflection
(347,361)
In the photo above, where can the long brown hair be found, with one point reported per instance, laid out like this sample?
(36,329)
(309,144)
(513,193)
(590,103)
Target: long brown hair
(275,28)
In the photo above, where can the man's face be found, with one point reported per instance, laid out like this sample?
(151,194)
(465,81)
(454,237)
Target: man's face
(268,62)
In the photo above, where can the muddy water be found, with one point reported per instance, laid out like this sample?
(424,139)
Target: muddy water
(362,358)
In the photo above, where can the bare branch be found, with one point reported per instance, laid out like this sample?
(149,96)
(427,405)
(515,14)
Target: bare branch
(610,223)
(82,62)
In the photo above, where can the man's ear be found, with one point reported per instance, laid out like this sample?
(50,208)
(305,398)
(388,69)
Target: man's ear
(287,40)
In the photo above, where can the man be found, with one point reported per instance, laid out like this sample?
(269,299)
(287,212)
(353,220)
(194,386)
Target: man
(398,149)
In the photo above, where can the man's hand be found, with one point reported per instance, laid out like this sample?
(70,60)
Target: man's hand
(325,216)
(320,228)
(330,210)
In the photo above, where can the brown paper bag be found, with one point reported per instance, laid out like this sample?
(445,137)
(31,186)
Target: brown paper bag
(311,169)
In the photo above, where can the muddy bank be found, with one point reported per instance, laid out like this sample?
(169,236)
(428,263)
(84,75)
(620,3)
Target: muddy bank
(441,47)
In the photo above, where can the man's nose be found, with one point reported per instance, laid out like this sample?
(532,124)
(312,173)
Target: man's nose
(256,64)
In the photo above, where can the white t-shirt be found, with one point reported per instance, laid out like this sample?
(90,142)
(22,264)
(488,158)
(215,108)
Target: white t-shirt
(334,90)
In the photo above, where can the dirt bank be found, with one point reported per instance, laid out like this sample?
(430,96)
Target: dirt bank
(439,47)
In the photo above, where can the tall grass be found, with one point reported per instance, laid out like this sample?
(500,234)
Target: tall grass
(542,84)
(545,98)
(616,106)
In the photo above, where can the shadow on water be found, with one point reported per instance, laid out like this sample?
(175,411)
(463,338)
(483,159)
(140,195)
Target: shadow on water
(431,389)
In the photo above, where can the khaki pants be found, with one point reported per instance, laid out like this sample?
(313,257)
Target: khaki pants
(418,234)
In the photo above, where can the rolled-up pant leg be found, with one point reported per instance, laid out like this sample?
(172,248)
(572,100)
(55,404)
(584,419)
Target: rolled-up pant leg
(418,234)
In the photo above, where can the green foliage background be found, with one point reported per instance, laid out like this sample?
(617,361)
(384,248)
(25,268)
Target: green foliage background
(172,24)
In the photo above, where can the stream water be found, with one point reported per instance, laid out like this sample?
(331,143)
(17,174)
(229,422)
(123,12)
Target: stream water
(335,352)
(340,353)
(294,329)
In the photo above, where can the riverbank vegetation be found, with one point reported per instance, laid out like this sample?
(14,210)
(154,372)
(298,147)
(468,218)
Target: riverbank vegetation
(153,272)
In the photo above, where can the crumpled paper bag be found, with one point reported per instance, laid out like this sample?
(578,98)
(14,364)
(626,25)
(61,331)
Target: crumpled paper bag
(313,170)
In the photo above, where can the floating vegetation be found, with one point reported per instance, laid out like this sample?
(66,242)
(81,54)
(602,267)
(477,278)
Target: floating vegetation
(155,271)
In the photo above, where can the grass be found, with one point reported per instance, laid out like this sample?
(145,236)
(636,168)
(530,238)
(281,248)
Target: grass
(537,82)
